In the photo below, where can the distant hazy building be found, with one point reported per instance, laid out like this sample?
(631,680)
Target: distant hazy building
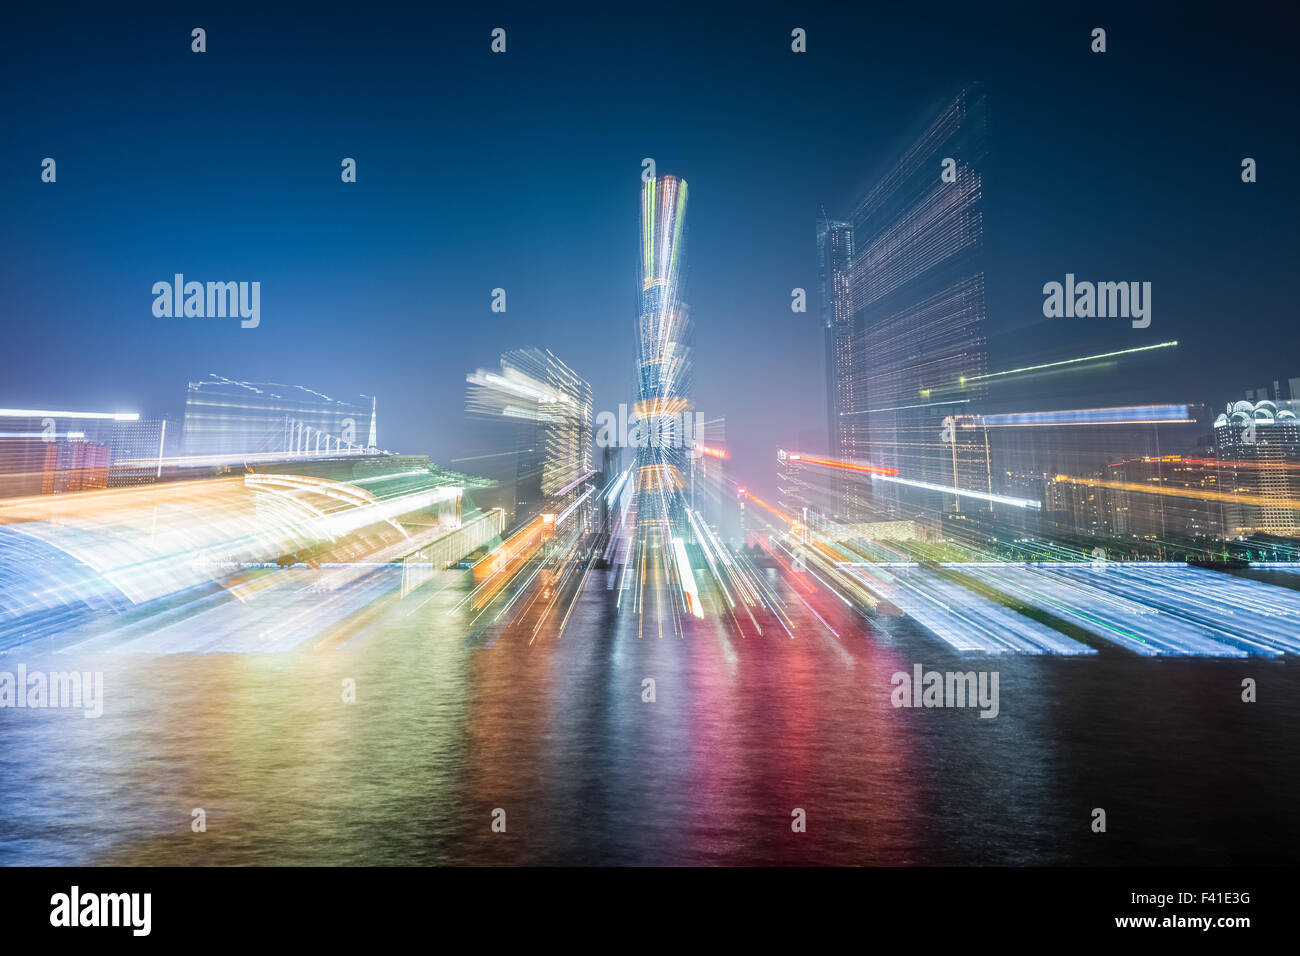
(707,469)
(903,308)
(225,418)
(795,485)
(1166,497)
(78,466)
(1283,392)
(29,466)
(611,467)
(1080,506)
(834,261)
(132,449)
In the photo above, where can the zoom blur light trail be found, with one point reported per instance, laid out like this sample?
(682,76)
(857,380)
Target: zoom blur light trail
(846,465)
(687,578)
(146,542)
(498,568)
(1074,361)
(763,504)
(615,486)
(964,619)
(1239,497)
(573,484)
(703,536)
(569,510)
(1103,601)
(964,492)
(822,554)
(1128,415)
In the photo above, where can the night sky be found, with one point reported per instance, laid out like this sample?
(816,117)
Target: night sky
(522,171)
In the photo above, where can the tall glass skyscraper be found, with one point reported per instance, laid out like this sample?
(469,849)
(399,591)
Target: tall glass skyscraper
(663,359)
(903,308)
(834,260)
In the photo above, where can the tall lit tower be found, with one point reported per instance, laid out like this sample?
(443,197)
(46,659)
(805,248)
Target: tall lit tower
(834,264)
(663,359)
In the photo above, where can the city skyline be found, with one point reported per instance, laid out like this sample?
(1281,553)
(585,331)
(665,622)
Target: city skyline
(425,295)
(618,439)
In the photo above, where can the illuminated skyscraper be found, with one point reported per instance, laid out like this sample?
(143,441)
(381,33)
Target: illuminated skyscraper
(905,325)
(1258,446)
(663,358)
(834,259)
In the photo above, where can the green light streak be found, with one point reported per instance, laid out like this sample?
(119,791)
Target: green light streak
(1074,361)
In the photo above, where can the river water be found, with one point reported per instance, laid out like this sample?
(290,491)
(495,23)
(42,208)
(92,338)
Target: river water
(552,729)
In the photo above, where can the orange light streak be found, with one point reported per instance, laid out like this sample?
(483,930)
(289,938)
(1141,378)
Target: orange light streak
(1205,495)
(500,566)
(763,504)
(846,465)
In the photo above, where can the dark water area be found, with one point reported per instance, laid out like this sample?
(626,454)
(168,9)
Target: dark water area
(552,728)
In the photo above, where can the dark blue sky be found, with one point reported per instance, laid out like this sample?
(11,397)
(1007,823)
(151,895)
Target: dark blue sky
(522,171)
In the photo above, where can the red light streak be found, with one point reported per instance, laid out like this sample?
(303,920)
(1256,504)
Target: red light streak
(846,465)
(759,501)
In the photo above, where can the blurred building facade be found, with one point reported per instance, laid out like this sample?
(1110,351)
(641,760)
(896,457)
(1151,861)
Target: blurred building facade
(1258,447)
(834,261)
(903,314)
(664,378)
(45,451)
(229,419)
(546,409)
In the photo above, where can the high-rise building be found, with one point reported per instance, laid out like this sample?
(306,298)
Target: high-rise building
(134,447)
(707,472)
(834,260)
(225,418)
(549,407)
(795,489)
(1258,447)
(29,466)
(905,320)
(664,405)
(1171,497)
(1080,507)
(78,466)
